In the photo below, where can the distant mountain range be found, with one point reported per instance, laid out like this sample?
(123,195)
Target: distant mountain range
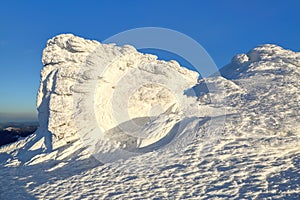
(12,131)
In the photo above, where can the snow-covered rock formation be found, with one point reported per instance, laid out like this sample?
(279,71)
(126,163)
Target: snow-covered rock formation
(70,68)
(239,133)
(91,90)
(62,59)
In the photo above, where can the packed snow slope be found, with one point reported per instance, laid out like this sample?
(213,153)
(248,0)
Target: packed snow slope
(119,124)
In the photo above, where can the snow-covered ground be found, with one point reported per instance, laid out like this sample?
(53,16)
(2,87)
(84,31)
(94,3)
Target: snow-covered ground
(230,137)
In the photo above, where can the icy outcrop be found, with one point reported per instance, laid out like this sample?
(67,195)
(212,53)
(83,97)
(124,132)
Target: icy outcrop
(62,59)
(269,77)
(123,84)
(260,59)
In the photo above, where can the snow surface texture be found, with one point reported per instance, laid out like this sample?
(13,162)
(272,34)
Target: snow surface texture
(253,154)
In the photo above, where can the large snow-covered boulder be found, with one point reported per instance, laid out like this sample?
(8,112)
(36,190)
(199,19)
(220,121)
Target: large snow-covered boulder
(85,84)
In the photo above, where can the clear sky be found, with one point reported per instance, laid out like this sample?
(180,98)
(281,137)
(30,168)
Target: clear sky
(223,28)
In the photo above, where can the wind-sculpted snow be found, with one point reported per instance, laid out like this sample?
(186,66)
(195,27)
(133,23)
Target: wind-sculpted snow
(109,96)
(231,137)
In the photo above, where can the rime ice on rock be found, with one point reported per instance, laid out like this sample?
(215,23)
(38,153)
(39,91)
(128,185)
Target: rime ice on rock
(68,64)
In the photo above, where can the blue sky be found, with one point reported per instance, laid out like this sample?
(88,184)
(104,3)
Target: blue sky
(223,28)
